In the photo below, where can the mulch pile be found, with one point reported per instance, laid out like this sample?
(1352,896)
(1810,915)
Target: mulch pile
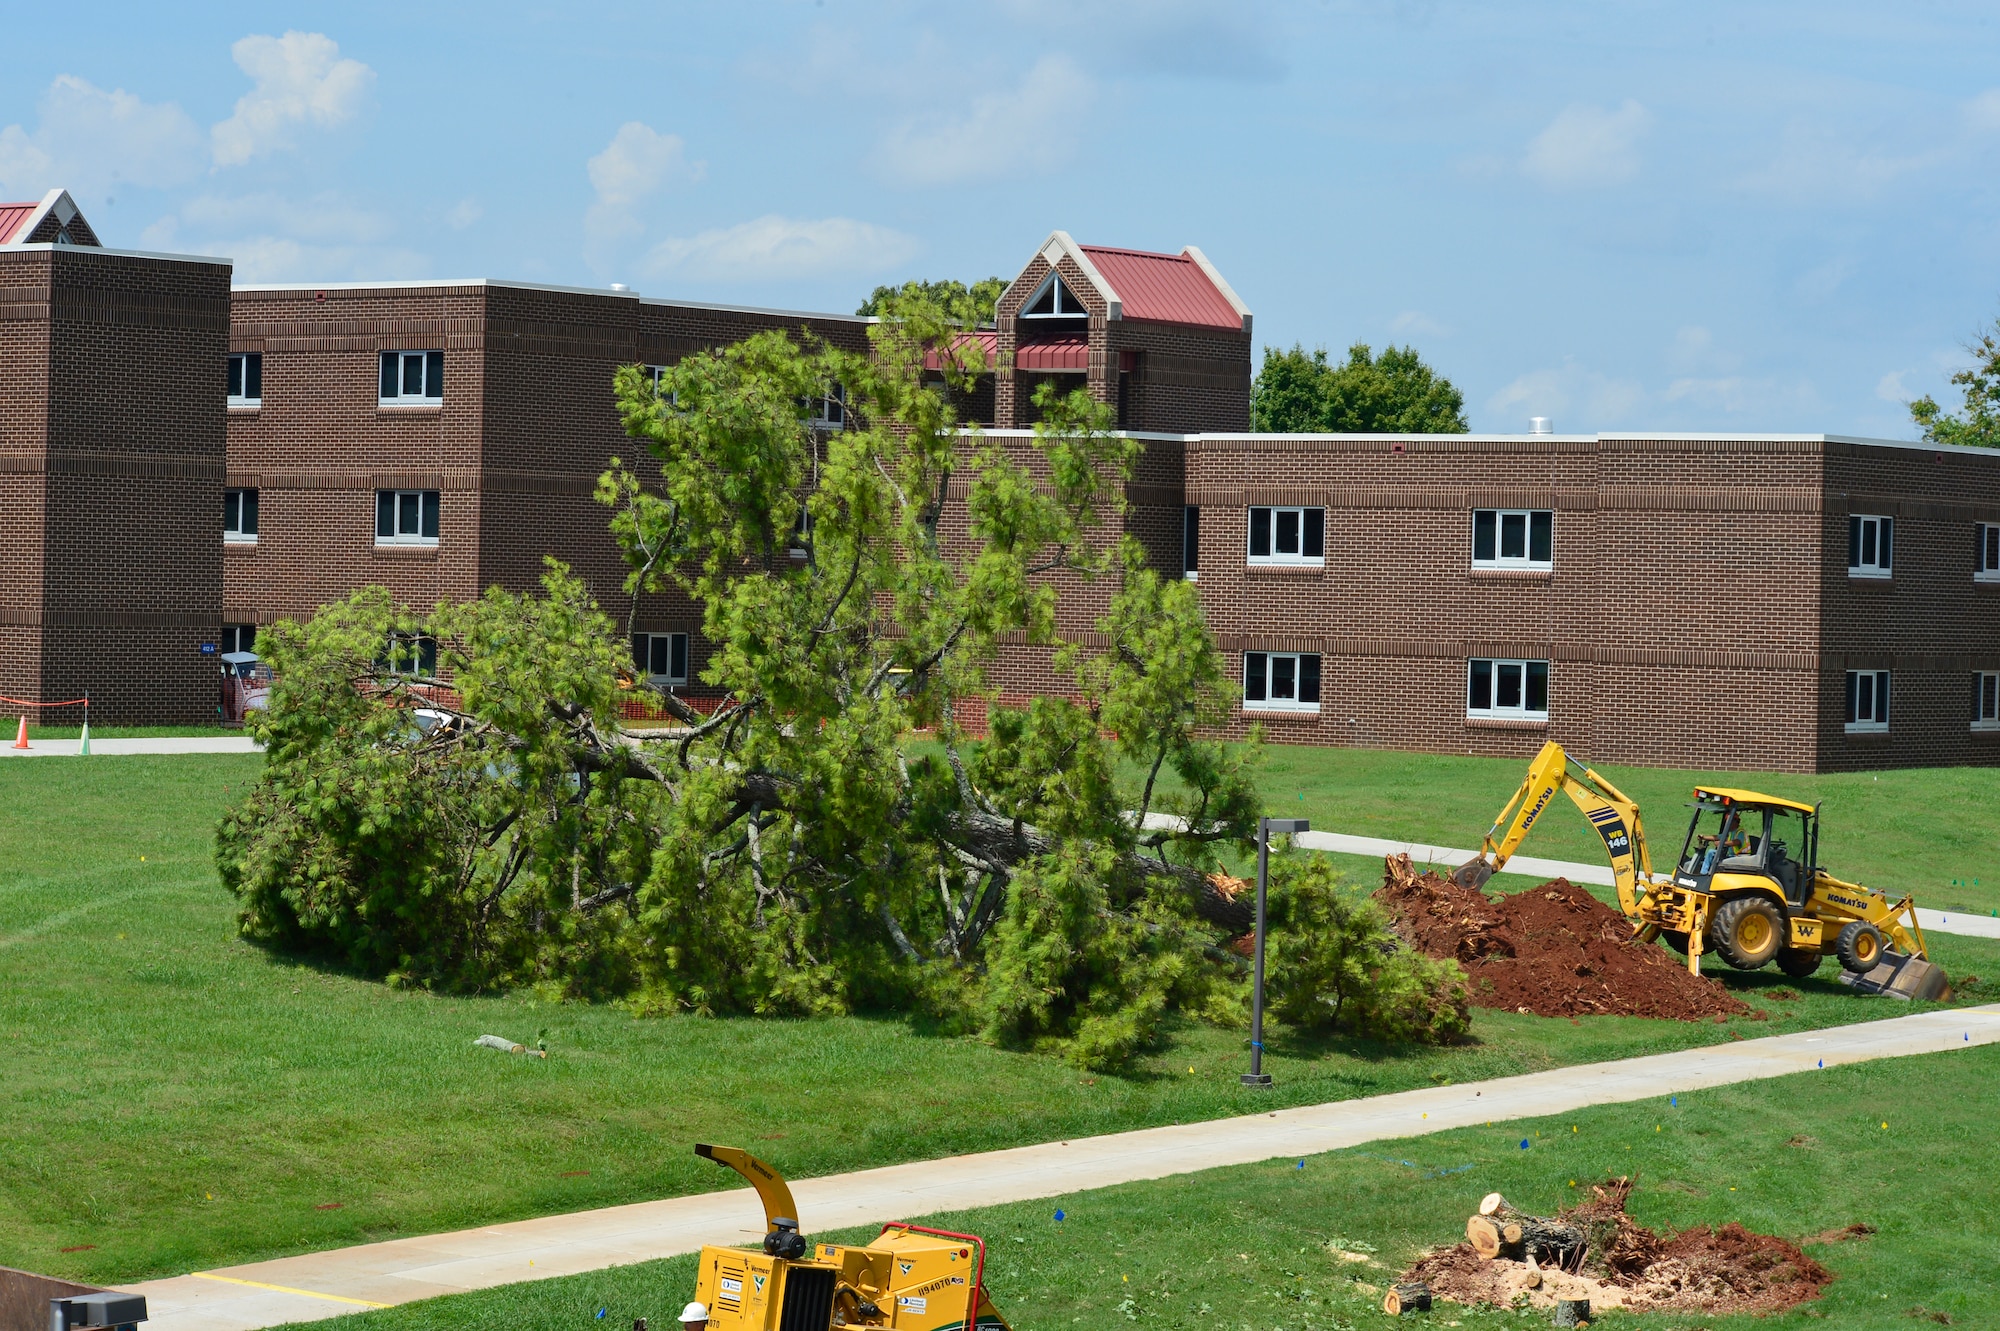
(1726,1270)
(1553,950)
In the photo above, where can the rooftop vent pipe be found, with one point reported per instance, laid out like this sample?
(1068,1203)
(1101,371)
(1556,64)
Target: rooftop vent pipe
(1539,425)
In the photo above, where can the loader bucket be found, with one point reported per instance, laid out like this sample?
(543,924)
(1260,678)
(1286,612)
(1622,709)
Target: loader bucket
(1911,979)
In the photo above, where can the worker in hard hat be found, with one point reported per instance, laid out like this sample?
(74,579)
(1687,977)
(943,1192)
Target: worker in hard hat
(694,1317)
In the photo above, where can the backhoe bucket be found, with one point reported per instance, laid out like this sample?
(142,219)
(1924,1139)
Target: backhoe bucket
(1473,873)
(1911,979)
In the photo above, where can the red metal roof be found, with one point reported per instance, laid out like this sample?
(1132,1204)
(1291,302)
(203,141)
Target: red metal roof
(13,216)
(988,340)
(1054,353)
(1163,288)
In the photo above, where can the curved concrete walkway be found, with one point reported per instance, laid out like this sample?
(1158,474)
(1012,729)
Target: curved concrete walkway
(328,1284)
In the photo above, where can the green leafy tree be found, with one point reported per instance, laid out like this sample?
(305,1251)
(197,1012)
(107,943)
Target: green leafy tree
(1979,425)
(1395,393)
(970,306)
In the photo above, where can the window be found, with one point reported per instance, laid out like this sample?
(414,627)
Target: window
(1868,542)
(406,517)
(1190,543)
(1986,552)
(1281,681)
(801,546)
(246,379)
(239,517)
(1986,701)
(1513,538)
(657,373)
(412,654)
(412,378)
(1507,690)
(1054,301)
(830,410)
(1867,700)
(1288,536)
(662,657)
(239,637)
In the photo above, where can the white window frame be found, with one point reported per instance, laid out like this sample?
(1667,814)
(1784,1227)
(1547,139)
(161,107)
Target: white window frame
(656,373)
(233,506)
(1866,531)
(1061,306)
(1986,552)
(674,644)
(430,500)
(406,653)
(1986,700)
(239,638)
(1502,520)
(1874,718)
(1497,669)
(429,366)
(1263,673)
(1274,524)
(830,408)
(241,365)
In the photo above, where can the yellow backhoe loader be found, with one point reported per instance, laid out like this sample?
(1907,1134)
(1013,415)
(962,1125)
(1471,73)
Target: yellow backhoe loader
(910,1278)
(1747,885)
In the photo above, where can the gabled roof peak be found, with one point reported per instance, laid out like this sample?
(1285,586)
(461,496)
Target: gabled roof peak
(1179,288)
(56,220)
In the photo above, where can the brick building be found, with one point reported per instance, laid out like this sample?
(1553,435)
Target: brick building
(1797,602)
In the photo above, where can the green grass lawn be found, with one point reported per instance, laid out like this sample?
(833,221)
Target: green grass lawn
(1932,832)
(175,1099)
(36,732)
(1247,1247)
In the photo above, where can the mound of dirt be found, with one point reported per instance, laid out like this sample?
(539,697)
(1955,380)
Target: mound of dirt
(1726,1270)
(1553,950)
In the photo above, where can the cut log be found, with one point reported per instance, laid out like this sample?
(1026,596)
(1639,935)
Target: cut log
(1511,1232)
(1546,1242)
(1487,1240)
(1494,1204)
(1572,1312)
(1411,1297)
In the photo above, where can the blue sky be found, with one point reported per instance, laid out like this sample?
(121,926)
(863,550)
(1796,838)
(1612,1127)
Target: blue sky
(1678,216)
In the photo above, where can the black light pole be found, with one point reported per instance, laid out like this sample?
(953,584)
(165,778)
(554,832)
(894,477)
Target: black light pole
(1256,1076)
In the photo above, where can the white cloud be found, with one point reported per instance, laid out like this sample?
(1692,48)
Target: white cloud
(1890,387)
(1024,129)
(300,79)
(783,247)
(88,139)
(635,165)
(1816,162)
(275,238)
(464,213)
(1982,113)
(1588,145)
(1576,397)
(1416,321)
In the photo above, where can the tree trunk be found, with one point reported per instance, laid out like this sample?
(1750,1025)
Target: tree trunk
(1412,1297)
(1572,1312)
(1546,1242)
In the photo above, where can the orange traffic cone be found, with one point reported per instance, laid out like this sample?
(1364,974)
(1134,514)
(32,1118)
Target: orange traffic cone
(21,740)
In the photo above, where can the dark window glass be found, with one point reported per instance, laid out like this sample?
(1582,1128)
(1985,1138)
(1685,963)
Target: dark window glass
(1480,695)
(1538,686)
(1989,697)
(1542,536)
(1867,543)
(1309,679)
(1992,547)
(662,655)
(409,513)
(1485,523)
(427,656)
(1315,537)
(639,641)
(1882,552)
(1287,542)
(249,512)
(679,663)
(236,376)
(434,374)
(1513,535)
(1284,678)
(385,513)
(1507,686)
(430,508)
(1882,696)
(1254,666)
(1190,539)
(1853,684)
(389,373)
(413,375)
(253,375)
(1260,532)
(232,506)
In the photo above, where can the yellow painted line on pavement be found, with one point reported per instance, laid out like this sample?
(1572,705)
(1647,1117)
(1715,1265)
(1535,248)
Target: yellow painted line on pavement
(287,1289)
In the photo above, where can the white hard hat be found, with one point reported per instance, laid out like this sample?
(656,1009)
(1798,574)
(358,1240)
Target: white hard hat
(695,1312)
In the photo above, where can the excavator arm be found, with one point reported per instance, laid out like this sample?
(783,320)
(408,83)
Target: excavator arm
(1612,813)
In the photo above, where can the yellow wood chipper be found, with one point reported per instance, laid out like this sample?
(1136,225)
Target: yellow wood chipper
(1748,885)
(909,1278)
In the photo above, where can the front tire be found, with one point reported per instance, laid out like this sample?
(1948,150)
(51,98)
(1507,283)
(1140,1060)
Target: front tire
(1859,947)
(1748,932)
(1799,962)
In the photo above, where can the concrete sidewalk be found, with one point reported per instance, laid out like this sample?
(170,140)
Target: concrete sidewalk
(109,747)
(329,1284)
(1447,859)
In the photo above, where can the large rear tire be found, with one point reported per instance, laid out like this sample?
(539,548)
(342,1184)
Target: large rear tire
(1799,962)
(1748,932)
(1859,947)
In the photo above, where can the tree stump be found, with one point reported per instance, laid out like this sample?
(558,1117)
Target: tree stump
(1572,1312)
(1413,1297)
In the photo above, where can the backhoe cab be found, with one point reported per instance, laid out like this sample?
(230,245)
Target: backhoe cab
(910,1278)
(1747,884)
